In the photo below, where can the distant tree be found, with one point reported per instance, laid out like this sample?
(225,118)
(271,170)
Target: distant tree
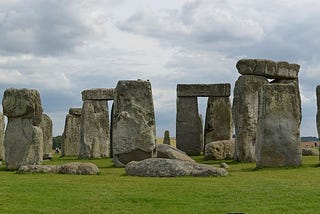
(56,142)
(309,139)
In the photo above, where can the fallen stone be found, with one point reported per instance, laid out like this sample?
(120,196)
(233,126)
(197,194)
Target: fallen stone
(70,168)
(98,94)
(310,151)
(219,150)
(224,165)
(159,167)
(170,152)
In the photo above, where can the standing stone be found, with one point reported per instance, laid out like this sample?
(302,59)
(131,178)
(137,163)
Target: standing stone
(245,115)
(46,126)
(166,138)
(188,128)
(278,131)
(23,137)
(94,130)
(318,110)
(218,124)
(2,125)
(71,133)
(134,129)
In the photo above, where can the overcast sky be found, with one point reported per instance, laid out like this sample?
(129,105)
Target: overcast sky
(61,47)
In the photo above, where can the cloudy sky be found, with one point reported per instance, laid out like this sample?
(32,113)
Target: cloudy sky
(62,47)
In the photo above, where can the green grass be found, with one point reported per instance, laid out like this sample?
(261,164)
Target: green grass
(277,190)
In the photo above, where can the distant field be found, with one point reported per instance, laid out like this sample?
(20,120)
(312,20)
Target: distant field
(279,190)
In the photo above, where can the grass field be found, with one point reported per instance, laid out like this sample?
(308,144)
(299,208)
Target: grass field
(279,190)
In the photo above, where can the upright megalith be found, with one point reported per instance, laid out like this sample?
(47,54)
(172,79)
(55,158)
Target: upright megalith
(188,126)
(248,101)
(134,128)
(2,125)
(245,115)
(189,130)
(46,126)
(166,137)
(95,127)
(218,123)
(318,110)
(278,131)
(23,136)
(71,133)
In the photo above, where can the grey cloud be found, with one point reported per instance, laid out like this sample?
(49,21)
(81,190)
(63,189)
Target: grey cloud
(40,27)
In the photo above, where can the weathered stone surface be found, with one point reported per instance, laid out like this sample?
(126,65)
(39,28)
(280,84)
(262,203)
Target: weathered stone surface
(134,129)
(166,137)
(170,152)
(268,68)
(98,94)
(219,150)
(278,130)
(23,143)
(94,130)
(22,103)
(79,169)
(318,110)
(75,111)
(2,126)
(310,151)
(160,167)
(46,126)
(23,139)
(70,168)
(188,129)
(203,90)
(218,124)
(245,115)
(71,135)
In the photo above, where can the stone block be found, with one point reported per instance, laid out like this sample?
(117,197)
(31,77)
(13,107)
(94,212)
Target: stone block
(203,90)
(98,94)
(75,111)
(46,126)
(71,136)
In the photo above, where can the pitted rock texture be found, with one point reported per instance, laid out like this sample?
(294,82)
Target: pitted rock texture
(159,167)
(134,128)
(98,94)
(203,90)
(219,150)
(268,68)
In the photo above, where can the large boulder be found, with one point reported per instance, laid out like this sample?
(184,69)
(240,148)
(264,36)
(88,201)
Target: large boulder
(46,126)
(245,115)
(134,128)
(71,133)
(170,152)
(23,140)
(219,150)
(94,130)
(278,130)
(310,151)
(160,167)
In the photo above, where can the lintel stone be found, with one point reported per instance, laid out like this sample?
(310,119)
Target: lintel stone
(268,68)
(98,94)
(203,90)
(75,111)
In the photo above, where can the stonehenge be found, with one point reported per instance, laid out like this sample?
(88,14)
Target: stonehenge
(166,137)
(23,139)
(188,125)
(71,134)
(318,110)
(46,126)
(94,128)
(133,122)
(2,126)
(267,115)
